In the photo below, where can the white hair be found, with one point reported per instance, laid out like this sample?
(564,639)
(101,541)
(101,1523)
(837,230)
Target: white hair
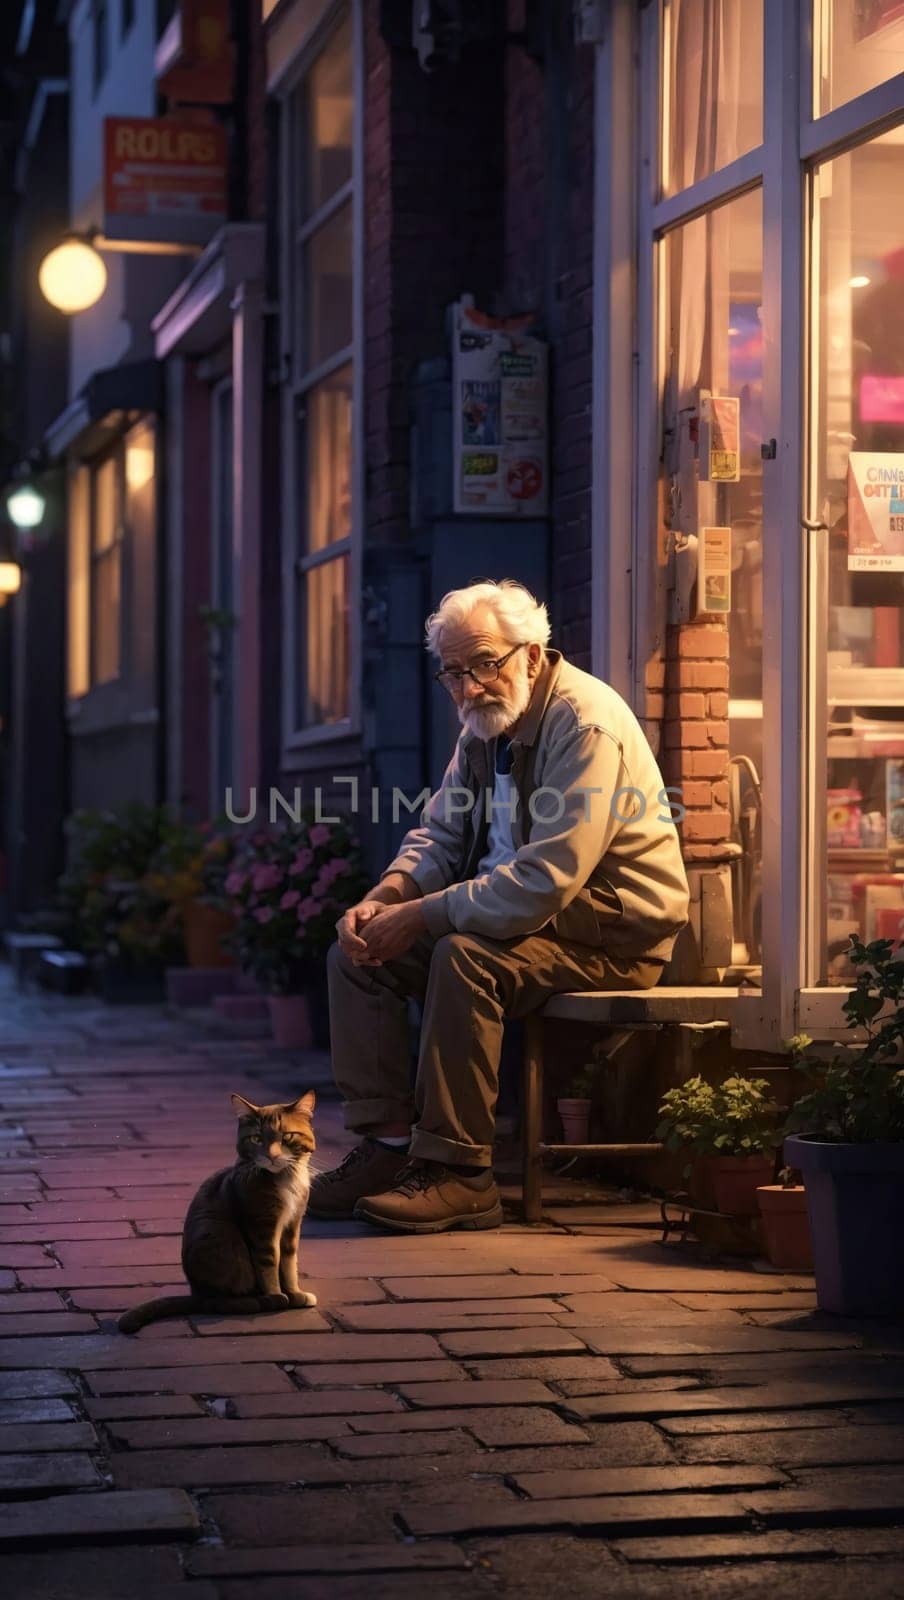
(521,618)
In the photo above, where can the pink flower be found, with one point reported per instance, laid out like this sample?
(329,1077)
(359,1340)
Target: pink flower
(319,834)
(301,863)
(340,867)
(235,882)
(309,908)
(318,890)
(266,877)
(264,914)
(289,899)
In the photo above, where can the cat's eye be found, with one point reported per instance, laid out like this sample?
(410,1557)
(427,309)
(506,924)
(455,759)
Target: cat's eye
(255,1138)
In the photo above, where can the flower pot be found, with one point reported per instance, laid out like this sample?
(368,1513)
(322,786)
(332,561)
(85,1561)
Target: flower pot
(575,1115)
(205,928)
(786,1226)
(855,1201)
(290,1019)
(736,1180)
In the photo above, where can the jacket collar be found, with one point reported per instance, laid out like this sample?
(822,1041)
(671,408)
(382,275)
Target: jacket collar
(480,751)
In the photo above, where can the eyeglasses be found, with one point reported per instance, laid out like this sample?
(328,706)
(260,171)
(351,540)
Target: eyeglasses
(482,672)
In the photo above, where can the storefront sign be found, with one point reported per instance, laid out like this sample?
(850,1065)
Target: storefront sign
(195,57)
(875,512)
(713,570)
(164,179)
(720,438)
(499,376)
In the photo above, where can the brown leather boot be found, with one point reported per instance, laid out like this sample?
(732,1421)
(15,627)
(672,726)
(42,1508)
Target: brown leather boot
(428,1198)
(368,1168)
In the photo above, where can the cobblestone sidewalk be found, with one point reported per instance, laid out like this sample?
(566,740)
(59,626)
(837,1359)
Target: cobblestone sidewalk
(570,1410)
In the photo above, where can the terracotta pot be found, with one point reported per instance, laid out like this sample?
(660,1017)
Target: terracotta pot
(290,1019)
(700,1185)
(736,1180)
(575,1115)
(205,929)
(786,1225)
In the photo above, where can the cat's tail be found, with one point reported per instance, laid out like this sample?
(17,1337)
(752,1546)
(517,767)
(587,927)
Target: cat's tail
(182,1305)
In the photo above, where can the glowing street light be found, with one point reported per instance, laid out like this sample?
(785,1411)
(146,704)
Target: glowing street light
(73,276)
(26,506)
(10,577)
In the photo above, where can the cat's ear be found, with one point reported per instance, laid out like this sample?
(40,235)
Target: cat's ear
(305,1105)
(241,1106)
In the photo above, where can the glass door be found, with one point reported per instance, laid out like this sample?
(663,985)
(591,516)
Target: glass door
(856,536)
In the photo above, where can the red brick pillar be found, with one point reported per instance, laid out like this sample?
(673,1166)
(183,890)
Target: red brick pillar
(693,702)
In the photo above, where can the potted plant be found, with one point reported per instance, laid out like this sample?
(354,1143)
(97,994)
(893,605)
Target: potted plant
(848,1141)
(786,1229)
(287,888)
(574,1108)
(117,914)
(192,870)
(731,1127)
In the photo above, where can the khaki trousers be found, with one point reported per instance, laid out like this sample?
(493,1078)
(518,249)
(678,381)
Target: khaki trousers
(468,986)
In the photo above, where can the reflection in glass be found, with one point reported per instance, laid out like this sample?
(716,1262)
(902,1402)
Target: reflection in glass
(857,44)
(857,432)
(325,133)
(713,94)
(326,276)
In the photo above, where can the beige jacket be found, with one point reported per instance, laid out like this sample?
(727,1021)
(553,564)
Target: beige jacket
(600,867)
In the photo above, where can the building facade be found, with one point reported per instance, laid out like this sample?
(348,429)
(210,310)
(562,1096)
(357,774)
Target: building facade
(694,202)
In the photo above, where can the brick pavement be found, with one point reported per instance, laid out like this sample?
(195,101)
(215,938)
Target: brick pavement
(530,1412)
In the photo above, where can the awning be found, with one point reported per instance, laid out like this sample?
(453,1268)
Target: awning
(107,403)
(198,315)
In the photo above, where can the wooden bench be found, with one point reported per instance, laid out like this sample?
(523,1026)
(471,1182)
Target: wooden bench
(626,1012)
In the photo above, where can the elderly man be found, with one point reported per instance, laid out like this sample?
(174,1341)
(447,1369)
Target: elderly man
(547,860)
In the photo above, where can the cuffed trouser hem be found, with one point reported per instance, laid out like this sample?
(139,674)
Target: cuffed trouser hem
(433,1147)
(362,1114)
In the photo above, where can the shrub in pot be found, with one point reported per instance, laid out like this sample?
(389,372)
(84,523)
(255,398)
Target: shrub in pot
(574,1108)
(786,1228)
(287,888)
(730,1129)
(848,1141)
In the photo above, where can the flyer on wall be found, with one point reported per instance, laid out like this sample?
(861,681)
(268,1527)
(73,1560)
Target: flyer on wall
(499,376)
(875,512)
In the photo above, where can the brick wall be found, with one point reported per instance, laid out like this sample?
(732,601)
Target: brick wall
(549,267)
(695,734)
(432,177)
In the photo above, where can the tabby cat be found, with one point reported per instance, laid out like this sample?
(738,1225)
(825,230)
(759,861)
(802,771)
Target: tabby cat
(240,1236)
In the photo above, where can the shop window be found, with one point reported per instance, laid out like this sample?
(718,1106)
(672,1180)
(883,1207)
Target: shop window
(321,285)
(857,494)
(715,348)
(857,44)
(713,87)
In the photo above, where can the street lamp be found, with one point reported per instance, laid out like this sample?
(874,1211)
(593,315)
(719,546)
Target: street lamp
(10,580)
(73,276)
(26,506)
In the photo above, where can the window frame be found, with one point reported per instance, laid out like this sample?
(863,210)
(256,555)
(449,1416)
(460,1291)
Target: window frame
(96,558)
(298,381)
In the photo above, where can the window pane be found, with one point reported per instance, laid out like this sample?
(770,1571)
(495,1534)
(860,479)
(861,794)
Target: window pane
(326,290)
(857,447)
(326,451)
(857,45)
(324,653)
(714,90)
(326,130)
(105,505)
(105,615)
(141,521)
(715,344)
(78,672)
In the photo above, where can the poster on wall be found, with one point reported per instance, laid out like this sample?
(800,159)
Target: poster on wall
(499,415)
(875,511)
(713,571)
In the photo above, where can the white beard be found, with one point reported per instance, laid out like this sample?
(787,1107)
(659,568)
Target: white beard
(491,720)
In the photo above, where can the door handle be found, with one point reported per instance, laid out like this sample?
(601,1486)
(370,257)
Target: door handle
(814,527)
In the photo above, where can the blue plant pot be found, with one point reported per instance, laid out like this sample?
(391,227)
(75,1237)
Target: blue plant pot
(855,1202)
